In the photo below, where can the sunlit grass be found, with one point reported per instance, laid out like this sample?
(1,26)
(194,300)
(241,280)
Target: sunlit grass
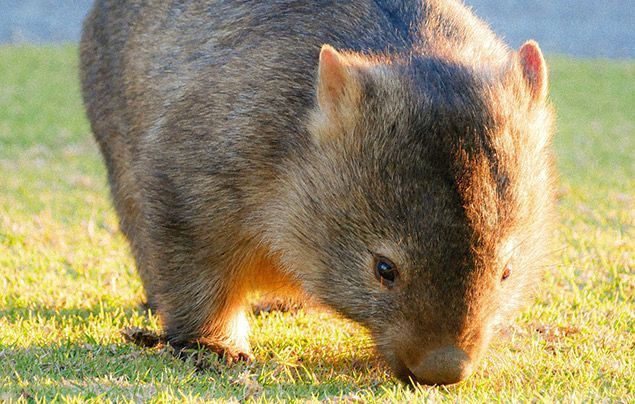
(68,285)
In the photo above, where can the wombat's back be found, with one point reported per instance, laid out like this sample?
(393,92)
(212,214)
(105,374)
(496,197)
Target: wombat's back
(250,62)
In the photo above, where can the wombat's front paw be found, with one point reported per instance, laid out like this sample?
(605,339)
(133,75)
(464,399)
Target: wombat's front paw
(231,355)
(199,351)
(142,337)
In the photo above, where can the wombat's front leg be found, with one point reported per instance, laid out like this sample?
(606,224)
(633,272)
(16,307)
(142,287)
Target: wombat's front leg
(199,311)
(202,304)
(199,291)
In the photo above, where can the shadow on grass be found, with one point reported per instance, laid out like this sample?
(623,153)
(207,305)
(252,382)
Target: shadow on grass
(90,370)
(79,364)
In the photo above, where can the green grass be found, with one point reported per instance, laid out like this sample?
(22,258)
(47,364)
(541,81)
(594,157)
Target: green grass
(68,284)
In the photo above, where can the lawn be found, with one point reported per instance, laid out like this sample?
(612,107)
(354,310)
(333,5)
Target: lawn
(68,284)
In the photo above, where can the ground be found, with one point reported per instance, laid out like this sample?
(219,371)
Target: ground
(68,284)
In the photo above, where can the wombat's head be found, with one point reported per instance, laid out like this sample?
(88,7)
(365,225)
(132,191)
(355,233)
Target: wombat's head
(421,206)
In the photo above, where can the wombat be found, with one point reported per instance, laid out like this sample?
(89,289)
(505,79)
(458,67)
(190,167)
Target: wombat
(390,159)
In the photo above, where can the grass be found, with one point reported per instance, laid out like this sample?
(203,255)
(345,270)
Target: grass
(68,284)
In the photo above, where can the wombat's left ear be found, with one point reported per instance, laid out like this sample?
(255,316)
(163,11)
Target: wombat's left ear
(335,84)
(534,69)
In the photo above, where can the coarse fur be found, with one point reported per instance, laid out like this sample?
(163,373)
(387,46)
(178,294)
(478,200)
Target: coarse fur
(243,155)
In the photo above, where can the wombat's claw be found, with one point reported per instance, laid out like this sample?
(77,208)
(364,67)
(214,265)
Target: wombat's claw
(243,357)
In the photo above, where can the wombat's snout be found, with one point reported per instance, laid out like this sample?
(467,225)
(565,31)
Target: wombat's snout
(446,365)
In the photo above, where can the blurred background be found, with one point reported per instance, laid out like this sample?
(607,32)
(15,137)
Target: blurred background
(583,28)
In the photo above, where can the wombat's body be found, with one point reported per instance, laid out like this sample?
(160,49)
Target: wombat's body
(397,181)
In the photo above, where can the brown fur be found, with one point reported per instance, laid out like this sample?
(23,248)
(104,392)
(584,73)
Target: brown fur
(240,160)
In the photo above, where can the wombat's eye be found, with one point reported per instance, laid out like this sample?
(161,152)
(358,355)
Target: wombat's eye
(506,273)
(385,271)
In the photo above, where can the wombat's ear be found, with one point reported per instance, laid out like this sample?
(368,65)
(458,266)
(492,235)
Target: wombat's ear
(534,69)
(334,79)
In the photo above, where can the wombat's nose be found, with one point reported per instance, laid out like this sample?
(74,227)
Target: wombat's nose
(446,365)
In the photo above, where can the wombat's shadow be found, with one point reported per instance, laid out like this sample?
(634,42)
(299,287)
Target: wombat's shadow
(73,367)
(203,360)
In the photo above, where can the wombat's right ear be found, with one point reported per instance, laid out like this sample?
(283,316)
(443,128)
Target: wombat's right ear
(534,69)
(335,82)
